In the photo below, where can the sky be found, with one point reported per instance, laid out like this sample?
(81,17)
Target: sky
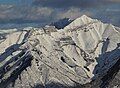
(42,12)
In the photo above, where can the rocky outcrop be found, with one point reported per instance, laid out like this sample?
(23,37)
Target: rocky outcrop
(83,54)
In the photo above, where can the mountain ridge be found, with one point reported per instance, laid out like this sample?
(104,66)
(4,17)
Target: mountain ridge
(77,54)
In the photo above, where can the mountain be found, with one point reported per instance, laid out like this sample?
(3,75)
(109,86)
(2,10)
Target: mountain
(84,54)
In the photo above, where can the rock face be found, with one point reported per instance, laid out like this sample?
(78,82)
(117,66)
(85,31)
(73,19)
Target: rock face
(85,54)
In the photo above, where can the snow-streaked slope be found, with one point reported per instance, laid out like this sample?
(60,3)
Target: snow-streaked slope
(84,50)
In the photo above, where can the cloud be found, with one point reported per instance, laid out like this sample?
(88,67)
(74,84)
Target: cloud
(70,13)
(39,13)
(47,11)
(10,13)
(115,1)
(109,16)
(35,14)
(73,3)
(64,3)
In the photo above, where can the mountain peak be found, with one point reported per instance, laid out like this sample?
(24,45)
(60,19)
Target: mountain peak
(85,17)
(79,22)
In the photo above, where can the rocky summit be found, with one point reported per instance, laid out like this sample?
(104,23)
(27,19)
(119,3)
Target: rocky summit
(83,54)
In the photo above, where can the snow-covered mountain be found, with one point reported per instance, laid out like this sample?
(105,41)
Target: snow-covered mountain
(84,53)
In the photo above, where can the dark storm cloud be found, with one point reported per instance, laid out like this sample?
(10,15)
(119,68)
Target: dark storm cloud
(73,3)
(65,3)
